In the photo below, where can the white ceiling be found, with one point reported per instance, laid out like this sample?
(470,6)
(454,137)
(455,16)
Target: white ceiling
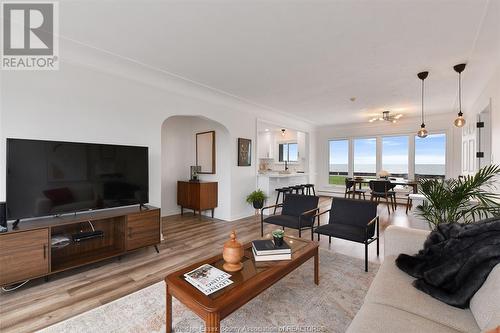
(306,58)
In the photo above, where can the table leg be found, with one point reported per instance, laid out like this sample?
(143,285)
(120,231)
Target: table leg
(316,267)
(415,188)
(212,323)
(169,312)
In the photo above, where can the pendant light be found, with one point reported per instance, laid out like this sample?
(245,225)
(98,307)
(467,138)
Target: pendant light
(460,120)
(422,132)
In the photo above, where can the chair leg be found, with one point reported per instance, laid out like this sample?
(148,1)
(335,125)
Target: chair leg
(366,257)
(329,239)
(261,228)
(312,234)
(388,208)
(300,233)
(318,237)
(378,248)
(277,200)
(314,191)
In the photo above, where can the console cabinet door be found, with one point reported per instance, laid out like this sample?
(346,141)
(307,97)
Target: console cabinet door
(24,255)
(143,229)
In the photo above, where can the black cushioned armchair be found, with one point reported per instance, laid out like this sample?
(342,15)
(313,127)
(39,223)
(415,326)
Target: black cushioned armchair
(354,220)
(297,212)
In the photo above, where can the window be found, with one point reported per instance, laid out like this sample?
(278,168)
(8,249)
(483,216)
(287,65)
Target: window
(365,157)
(395,155)
(338,162)
(430,156)
(288,152)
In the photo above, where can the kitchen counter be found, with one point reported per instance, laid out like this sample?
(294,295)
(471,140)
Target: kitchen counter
(282,175)
(270,181)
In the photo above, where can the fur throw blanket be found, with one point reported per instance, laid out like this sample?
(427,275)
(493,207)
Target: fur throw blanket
(455,261)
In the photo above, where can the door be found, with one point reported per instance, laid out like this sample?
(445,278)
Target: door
(24,255)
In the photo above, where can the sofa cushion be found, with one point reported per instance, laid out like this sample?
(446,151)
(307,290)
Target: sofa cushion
(393,287)
(383,318)
(485,304)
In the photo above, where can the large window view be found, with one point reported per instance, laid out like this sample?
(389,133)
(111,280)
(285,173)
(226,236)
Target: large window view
(365,157)
(395,155)
(430,156)
(339,161)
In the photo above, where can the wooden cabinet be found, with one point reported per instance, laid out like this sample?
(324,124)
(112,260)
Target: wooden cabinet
(24,255)
(143,229)
(26,252)
(198,196)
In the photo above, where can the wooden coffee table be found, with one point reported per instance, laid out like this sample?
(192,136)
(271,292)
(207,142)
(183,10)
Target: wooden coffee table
(254,278)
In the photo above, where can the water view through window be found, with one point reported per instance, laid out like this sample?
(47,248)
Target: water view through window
(339,159)
(365,157)
(430,156)
(395,155)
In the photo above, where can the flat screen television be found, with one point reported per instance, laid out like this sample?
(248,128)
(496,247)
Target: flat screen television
(46,178)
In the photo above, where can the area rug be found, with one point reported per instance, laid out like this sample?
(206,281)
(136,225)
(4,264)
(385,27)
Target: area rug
(294,304)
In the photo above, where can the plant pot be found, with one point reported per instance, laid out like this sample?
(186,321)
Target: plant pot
(278,241)
(258,204)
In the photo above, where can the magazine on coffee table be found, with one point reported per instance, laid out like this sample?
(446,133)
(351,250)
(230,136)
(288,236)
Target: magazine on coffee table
(208,279)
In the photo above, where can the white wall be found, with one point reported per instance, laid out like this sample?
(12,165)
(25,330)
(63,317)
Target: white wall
(105,99)
(435,124)
(179,153)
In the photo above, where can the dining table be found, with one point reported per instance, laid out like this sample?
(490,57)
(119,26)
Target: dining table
(394,181)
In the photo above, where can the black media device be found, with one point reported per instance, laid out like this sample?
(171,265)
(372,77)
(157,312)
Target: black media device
(47,178)
(87,235)
(3,217)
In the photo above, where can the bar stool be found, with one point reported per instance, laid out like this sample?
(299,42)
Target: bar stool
(283,190)
(299,189)
(309,189)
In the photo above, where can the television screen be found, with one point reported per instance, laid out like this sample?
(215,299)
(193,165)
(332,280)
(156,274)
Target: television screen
(50,178)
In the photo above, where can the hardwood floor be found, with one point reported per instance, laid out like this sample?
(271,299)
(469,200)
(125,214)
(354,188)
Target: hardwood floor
(188,238)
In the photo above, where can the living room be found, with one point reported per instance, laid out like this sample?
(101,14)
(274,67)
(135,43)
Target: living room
(216,112)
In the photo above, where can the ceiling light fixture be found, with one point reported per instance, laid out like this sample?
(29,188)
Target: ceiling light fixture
(283,132)
(386,116)
(460,120)
(422,132)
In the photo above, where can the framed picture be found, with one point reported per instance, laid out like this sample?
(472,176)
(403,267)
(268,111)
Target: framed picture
(244,152)
(205,152)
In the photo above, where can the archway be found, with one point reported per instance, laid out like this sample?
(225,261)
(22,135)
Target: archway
(178,153)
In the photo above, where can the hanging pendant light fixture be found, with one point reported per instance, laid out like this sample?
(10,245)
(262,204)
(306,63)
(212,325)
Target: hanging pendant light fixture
(460,120)
(422,132)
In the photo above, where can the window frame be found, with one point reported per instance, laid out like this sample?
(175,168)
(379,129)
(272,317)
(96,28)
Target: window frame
(280,154)
(379,148)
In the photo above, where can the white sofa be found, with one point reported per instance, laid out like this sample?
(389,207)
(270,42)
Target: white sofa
(392,304)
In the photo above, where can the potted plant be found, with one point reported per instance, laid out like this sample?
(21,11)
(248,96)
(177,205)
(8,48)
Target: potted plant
(278,237)
(463,200)
(257,198)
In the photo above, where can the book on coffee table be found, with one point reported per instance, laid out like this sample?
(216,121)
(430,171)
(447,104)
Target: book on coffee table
(267,247)
(271,257)
(208,279)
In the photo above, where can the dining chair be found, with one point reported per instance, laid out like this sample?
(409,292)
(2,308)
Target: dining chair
(350,189)
(381,189)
